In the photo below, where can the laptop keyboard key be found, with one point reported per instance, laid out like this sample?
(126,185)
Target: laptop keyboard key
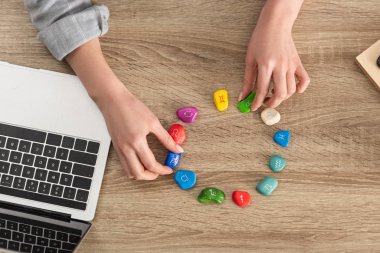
(12,144)
(13,245)
(30,239)
(62,236)
(5,233)
(54,139)
(19,183)
(69,193)
(74,238)
(80,145)
(93,147)
(40,162)
(44,188)
(12,225)
(62,153)
(16,169)
(82,195)
(68,246)
(49,151)
(28,172)
(31,185)
(56,190)
(38,249)
(4,167)
(24,228)
(53,177)
(53,164)
(6,180)
(15,157)
(81,157)
(83,170)
(24,146)
(16,236)
(28,159)
(55,244)
(66,179)
(4,154)
(37,231)
(65,167)
(49,233)
(2,141)
(51,250)
(81,182)
(26,247)
(68,142)
(42,241)
(3,243)
(40,175)
(37,149)
(2,223)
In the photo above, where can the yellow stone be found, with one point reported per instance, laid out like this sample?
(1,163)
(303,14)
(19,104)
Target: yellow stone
(221,100)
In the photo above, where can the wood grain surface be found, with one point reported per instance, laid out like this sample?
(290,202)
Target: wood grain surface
(174,53)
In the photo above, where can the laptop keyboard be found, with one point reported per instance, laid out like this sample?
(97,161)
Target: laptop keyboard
(25,235)
(47,167)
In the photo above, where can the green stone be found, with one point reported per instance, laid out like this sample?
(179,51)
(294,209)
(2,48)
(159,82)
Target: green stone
(267,185)
(211,195)
(277,163)
(245,104)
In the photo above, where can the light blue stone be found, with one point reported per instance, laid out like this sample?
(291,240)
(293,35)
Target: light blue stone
(172,160)
(282,138)
(267,186)
(185,179)
(277,163)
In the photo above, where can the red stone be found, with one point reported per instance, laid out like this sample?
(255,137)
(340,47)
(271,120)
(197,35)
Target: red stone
(241,198)
(177,132)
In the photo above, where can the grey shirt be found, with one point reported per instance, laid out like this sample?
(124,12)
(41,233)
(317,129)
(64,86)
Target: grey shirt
(64,25)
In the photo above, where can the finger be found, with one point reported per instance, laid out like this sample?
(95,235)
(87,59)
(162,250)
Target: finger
(150,163)
(123,163)
(138,170)
(263,80)
(280,89)
(250,75)
(303,77)
(165,138)
(291,84)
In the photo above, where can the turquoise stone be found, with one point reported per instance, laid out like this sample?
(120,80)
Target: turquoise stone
(267,186)
(277,163)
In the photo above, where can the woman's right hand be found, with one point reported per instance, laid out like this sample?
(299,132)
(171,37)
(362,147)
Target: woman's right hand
(129,122)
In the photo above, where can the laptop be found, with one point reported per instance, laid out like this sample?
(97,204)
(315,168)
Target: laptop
(53,150)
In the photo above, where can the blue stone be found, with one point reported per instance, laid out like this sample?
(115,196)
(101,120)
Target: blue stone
(277,163)
(172,160)
(282,138)
(185,179)
(267,186)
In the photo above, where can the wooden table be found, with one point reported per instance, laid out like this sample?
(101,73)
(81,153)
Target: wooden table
(175,53)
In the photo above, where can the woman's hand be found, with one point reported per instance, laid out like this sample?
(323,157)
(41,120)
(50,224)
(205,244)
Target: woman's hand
(272,55)
(129,122)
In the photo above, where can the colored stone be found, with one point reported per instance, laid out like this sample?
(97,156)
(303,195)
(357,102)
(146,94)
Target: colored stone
(270,116)
(241,198)
(178,133)
(172,160)
(282,138)
(245,104)
(277,163)
(221,100)
(185,179)
(267,186)
(211,195)
(187,114)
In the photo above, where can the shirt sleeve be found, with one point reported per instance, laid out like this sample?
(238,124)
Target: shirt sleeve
(64,25)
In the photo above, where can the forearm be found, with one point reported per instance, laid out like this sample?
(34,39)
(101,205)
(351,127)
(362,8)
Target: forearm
(280,13)
(89,64)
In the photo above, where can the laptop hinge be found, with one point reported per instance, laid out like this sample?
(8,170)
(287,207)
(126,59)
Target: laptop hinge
(36,211)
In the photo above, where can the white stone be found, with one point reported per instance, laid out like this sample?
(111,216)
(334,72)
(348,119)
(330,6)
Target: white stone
(270,116)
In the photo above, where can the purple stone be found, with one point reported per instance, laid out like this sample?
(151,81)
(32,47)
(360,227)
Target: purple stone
(187,114)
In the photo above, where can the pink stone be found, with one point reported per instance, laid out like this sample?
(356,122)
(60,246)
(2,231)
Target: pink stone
(187,114)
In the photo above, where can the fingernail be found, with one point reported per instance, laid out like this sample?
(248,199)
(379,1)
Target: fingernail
(240,95)
(171,172)
(179,148)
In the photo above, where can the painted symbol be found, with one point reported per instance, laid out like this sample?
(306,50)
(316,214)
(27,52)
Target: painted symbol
(184,178)
(241,198)
(174,160)
(213,193)
(188,114)
(268,187)
(174,132)
(281,136)
(221,99)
